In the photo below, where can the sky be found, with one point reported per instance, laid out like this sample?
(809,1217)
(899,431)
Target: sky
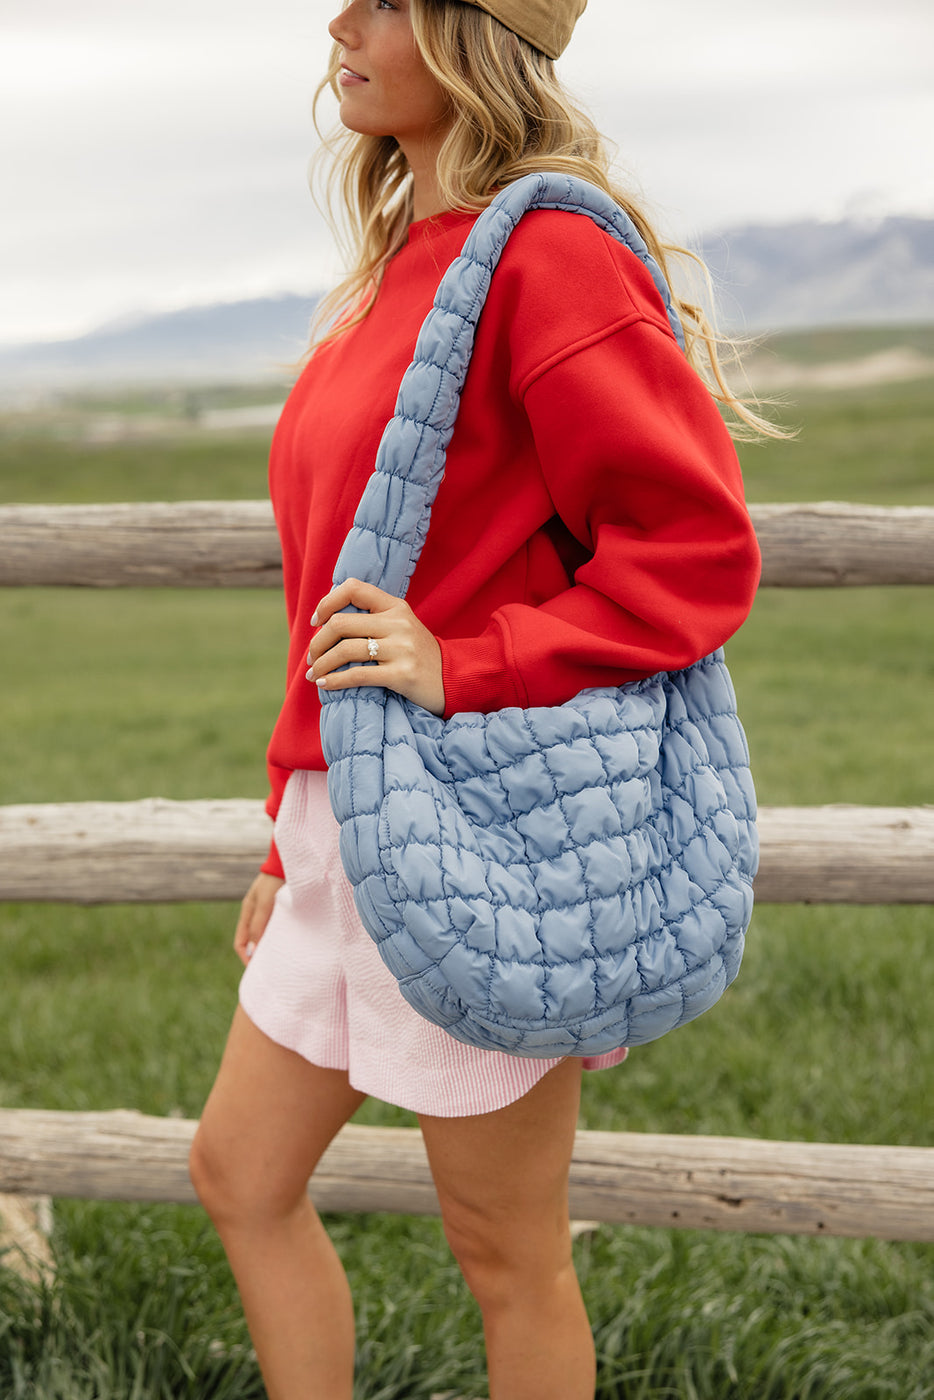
(154,156)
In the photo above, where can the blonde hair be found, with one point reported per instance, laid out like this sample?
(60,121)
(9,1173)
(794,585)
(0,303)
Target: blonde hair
(510,116)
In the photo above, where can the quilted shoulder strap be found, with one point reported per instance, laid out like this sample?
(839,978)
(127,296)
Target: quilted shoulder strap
(392,518)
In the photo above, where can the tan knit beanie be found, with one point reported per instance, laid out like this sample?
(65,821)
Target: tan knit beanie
(546,24)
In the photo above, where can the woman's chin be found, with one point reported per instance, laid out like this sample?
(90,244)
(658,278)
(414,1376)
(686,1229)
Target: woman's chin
(354,120)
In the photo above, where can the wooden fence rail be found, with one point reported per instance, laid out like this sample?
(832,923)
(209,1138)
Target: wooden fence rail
(159,851)
(211,544)
(712,1183)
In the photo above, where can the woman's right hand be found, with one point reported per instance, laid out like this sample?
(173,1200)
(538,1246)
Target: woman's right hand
(254,914)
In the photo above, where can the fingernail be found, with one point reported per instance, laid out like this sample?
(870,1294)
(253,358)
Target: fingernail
(250,949)
(314,619)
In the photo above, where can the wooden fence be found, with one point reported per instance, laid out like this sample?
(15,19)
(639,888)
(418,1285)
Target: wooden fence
(157,850)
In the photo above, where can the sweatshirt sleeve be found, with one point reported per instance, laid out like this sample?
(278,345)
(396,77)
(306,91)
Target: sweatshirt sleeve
(278,778)
(272,865)
(642,472)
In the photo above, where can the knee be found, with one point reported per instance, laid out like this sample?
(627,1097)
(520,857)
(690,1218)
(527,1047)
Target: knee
(212,1175)
(233,1187)
(482,1263)
(502,1263)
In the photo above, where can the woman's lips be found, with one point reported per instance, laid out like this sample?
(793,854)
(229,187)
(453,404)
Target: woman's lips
(348,78)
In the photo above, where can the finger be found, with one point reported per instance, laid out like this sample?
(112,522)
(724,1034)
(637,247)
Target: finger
(352,593)
(250,929)
(354,651)
(353,676)
(355,628)
(243,943)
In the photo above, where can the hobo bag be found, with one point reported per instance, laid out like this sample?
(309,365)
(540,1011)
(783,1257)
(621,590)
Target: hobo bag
(545,881)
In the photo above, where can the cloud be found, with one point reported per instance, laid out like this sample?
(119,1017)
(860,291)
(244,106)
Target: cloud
(153,156)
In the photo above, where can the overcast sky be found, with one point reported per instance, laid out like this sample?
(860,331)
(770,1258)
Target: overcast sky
(154,154)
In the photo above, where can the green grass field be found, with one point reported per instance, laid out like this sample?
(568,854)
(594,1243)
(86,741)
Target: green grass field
(826,1036)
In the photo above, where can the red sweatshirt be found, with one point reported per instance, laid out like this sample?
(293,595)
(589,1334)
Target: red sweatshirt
(590,528)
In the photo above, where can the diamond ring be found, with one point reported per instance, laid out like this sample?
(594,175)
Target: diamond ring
(372,648)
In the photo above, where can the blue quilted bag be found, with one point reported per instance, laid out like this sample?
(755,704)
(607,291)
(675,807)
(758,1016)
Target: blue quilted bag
(544,881)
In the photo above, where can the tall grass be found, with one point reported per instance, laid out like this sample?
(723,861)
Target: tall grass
(826,1035)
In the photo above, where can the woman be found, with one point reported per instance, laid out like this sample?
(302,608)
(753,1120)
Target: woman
(590,530)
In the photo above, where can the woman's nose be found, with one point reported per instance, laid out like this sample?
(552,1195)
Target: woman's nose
(340,27)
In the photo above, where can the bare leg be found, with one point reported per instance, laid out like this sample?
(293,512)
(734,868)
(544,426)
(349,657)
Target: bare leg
(502,1182)
(265,1126)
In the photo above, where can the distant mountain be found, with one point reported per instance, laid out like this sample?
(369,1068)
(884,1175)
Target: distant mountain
(243,341)
(769,277)
(807,274)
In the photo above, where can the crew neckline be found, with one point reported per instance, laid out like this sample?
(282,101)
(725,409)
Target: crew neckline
(439,223)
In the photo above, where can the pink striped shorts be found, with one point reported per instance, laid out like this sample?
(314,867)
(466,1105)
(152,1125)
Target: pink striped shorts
(317,985)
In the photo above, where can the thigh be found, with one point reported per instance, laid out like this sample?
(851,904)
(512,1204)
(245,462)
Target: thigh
(269,1117)
(509,1169)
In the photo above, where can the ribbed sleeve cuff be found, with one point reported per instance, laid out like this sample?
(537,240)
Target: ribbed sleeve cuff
(272,865)
(477,675)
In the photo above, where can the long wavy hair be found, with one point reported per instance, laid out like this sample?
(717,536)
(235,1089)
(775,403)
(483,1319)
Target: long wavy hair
(510,116)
